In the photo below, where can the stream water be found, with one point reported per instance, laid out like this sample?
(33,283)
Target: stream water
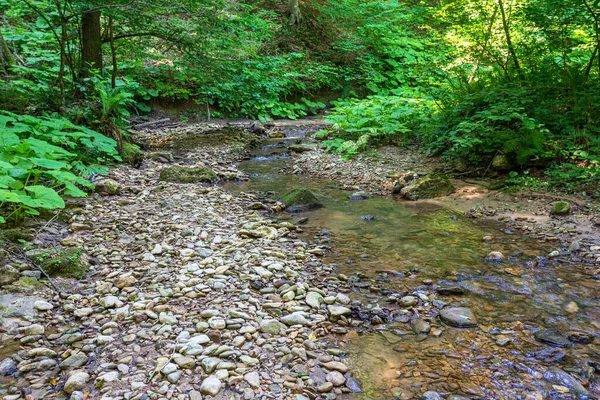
(388,245)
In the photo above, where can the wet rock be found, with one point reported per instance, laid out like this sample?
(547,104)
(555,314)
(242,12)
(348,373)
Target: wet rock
(8,367)
(580,337)
(558,376)
(431,396)
(494,256)
(560,208)
(181,174)
(336,366)
(420,327)
(300,199)
(301,148)
(8,275)
(325,387)
(211,386)
(553,338)
(336,378)
(67,263)
(77,381)
(549,355)
(408,301)
(571,307)
(430,186)
(460,317)
(353,384)
(502,340)
(360,195)
(449,290)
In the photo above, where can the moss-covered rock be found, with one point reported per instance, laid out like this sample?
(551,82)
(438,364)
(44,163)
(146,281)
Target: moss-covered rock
(132,155)
(68,263)
(181,174)
(300,199)
(430,186)
(560,208)
(8,275)
(501,163)
(15,235)
(108,186)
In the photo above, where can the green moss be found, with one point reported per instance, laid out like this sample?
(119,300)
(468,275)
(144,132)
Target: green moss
(430,186)
(68,263)
(300,199)
(27,282)
(132,155)
(180,174)
(560,208)
(15,235)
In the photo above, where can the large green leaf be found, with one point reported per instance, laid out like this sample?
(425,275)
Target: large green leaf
(44,197)
(50,164)
(7,196)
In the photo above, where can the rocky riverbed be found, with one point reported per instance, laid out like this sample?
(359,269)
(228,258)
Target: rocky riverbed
(193,291)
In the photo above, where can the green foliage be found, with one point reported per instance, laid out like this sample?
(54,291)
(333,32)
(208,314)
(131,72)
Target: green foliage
(44,158)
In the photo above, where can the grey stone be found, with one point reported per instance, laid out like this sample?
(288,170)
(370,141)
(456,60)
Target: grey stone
(461,317)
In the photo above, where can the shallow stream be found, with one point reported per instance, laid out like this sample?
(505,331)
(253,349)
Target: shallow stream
(385,244)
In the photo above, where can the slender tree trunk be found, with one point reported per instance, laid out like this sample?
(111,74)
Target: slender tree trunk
(485,43)
(594,15)
(91,42)
(113,53)
(509,43)
(588,69)
(6,58)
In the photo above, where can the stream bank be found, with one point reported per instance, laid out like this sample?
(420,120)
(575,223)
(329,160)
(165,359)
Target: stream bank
(194,287)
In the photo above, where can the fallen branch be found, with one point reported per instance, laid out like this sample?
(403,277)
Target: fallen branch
(37,267)
(153,123)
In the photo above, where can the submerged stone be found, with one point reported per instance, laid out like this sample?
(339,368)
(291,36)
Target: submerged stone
(460,317)
(553,338)
(300,199)
(558,376)
(430,186)
(181,174)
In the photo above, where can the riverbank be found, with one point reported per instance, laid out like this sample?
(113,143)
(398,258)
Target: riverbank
(196,289)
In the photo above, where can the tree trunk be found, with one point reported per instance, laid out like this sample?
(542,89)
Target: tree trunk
(295,14)
(6,58)
(91,42)
(509,43)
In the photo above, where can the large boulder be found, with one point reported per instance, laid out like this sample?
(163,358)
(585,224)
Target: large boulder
(68,263)
(181,174)
(430,186)
(300,199)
